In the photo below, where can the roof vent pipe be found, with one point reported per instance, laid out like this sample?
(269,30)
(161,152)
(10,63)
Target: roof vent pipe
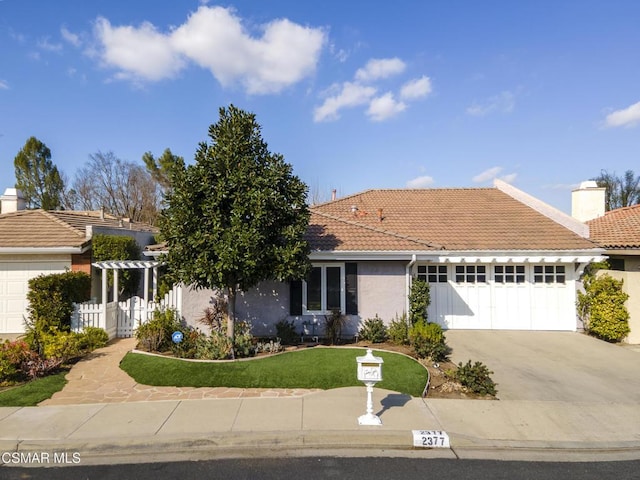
(333,194)
(102,213)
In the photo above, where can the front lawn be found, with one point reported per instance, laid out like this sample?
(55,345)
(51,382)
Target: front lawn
(33,392)
(323,368)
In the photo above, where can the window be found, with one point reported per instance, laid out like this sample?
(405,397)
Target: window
(433,273)
(471,273)
(323,290)
(549,274)
(509,273)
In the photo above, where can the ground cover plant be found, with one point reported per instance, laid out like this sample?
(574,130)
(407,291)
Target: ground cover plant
(33,392)
(323,368)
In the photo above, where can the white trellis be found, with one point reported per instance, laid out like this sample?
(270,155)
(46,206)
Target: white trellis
(121,318)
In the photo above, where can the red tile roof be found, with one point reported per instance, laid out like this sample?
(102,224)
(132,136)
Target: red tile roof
(54,229)
(619,228)
(459,219)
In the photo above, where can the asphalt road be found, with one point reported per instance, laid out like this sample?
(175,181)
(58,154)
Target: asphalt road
(373,468)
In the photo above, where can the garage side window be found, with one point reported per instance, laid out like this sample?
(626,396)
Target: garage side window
(549,274)
(471,273)
(509,274)
(433,273)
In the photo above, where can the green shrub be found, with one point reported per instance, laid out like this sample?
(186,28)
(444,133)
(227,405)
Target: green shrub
(398,330)
(216,346)
(373,330)
(476,377)
(118,247)
(286,332)
(51,299)
(155,335)
(419,300)
(12,356)
(92,338)
(62,345)
(428,340)
(602,308)
(243,340)
(188,347)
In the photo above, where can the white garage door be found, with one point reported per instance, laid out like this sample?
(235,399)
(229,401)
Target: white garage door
(14,284)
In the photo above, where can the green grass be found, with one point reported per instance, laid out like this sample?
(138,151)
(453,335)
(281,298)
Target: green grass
(34,392)
(323,368)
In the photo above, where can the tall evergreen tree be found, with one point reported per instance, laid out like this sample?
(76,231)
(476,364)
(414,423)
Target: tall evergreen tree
(238,216)
(37,177)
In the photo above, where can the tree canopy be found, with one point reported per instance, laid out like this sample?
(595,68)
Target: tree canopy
(162,168)
(238,215)
(37,177)
(620,191)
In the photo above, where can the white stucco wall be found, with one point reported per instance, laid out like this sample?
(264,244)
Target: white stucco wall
(381,290)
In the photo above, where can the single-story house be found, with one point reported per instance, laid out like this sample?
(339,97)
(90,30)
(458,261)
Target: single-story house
(618,232)
(35,242)
(495,258)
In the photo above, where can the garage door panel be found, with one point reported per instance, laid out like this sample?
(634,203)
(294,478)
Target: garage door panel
(14,285)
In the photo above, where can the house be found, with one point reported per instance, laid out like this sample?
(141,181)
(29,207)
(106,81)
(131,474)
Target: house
(495,258)
(35,242)
(618,232)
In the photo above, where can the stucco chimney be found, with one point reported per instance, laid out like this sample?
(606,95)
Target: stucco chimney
(587,201)
(12,201)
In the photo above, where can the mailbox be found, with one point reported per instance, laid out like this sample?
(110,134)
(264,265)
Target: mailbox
(369,368)
(369,372)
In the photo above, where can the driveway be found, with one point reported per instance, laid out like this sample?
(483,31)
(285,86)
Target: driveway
(552,366)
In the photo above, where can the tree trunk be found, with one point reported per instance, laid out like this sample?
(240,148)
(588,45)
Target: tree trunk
(231,317)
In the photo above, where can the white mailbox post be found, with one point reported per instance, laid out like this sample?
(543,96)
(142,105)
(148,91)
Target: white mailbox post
(369,372)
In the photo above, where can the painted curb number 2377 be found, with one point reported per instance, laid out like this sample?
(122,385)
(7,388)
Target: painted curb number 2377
(430,439)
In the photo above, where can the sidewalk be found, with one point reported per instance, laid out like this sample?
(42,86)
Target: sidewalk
(119,429)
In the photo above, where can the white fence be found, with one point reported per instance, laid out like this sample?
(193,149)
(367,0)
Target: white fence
(122,318)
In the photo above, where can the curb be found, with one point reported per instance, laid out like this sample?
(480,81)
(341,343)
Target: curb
(313,443)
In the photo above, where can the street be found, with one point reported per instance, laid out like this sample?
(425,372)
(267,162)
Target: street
(371,468)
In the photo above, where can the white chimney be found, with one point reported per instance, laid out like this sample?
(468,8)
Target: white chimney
(12,201)
(587,201)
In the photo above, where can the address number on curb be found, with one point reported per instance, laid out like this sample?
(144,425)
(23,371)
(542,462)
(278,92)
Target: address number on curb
(430,439)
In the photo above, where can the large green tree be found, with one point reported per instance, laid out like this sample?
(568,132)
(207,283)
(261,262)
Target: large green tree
(161,168)
(237,216)
(37,177)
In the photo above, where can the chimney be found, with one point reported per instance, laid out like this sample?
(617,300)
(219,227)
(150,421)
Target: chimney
(333,194)
(12,201)
(587,201)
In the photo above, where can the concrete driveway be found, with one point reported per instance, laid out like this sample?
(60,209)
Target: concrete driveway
(552,366)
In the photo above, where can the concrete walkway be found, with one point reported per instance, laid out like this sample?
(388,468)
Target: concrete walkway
(99,379)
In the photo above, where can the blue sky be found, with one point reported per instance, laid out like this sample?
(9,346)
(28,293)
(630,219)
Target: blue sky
(355,95)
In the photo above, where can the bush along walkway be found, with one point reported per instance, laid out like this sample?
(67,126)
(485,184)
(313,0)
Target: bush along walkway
(98,378)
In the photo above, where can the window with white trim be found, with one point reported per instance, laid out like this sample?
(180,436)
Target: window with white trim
(471,273)
(433,273)
(549,274)
(323,290)
(509,274)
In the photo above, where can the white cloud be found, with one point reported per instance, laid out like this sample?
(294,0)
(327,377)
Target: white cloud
(378,68)
(350,95)
(503,102)
(488,174)
(627,117)
(384,107)
(509,178)
(420,182)
(214,38)
(4,85)
(416,88)
(70,37)
(46,45)
(140,53)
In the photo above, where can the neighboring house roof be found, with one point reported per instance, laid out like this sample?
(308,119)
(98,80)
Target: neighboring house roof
(27,229)
(617,229)
(453,219)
